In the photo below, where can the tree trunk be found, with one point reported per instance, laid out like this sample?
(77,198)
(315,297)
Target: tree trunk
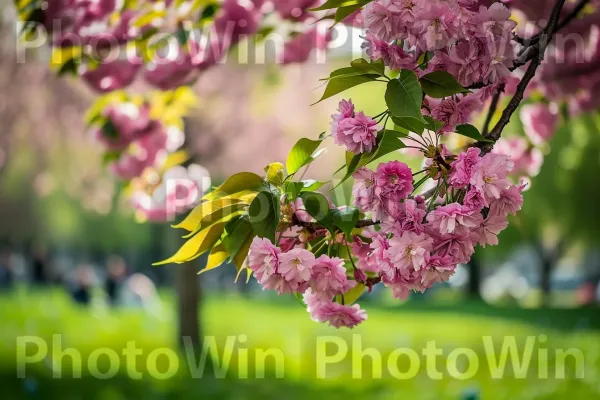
(188,304)
(474,288)
(548,259)
(546,280)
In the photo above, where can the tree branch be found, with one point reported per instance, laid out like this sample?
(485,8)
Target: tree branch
(493,108)
(537,53)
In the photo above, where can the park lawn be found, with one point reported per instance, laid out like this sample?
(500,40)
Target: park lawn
(285,328)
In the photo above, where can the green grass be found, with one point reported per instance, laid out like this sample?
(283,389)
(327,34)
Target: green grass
(270,323)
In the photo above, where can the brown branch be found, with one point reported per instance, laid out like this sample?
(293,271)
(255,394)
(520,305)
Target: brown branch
(493,108)
(537,55)
(531,49)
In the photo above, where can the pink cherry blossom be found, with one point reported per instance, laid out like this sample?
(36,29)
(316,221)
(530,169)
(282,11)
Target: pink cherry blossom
(454,218)
(409,218)
(490,229)
(296,265)
(410,252)
(460,247)
(462,168)
(489,175)
(363,190)
(338,315)
(181,189)
(263,258)
(510,201)
(540,121)
(474,200)
(393,183)
(358,133)
(383,19)
(439,269)
(329,277)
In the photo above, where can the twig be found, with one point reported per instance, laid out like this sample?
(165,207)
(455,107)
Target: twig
(538,56)
(493,108)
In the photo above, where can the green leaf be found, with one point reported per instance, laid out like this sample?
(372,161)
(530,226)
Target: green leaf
(317,205)
(375,67)
(338,85)
(389,142)
(410,124)
(352,295)
(302,153)
(236,233)
(264,215)
(197,245)
(433,124)
(218,255)
(109,130)
(310,185)
(403,98)
(344,12)
(471,132)
(440,84)
(345,219)
(329,4)
(237,183)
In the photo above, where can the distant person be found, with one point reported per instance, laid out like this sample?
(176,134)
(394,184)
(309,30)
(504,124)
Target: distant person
(140,292)
(40,261)
(116,276)
(6,271)
(84,282)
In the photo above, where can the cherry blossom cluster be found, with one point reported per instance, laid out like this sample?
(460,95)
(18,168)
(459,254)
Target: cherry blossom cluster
(103,27)
(471,42)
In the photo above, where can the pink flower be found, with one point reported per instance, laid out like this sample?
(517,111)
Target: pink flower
(460,247)
(180,190)
(490,229)
(383,20)
(380,246)
(366,261)
(410,252)
(409,219)
(439,269)
(467,63)
(402,286)
(263,258)
(528,160)
(115,75)
(393,183)
(336,314)
(489,175)
(496,20)
(295,10)
(435,25)
(540,121)
(296,265)
(363,190)
(510,201)
(392,55)
(454,218)
(474,200)
(358,134)
(299,48)
(346,110)
(329,277)
(462,168)
(454,113)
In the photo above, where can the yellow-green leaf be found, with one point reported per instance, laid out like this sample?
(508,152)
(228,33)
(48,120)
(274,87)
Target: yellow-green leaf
(200,243)
(218,256)
(243,181)
(240,257)
(353,294)
(203,211)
